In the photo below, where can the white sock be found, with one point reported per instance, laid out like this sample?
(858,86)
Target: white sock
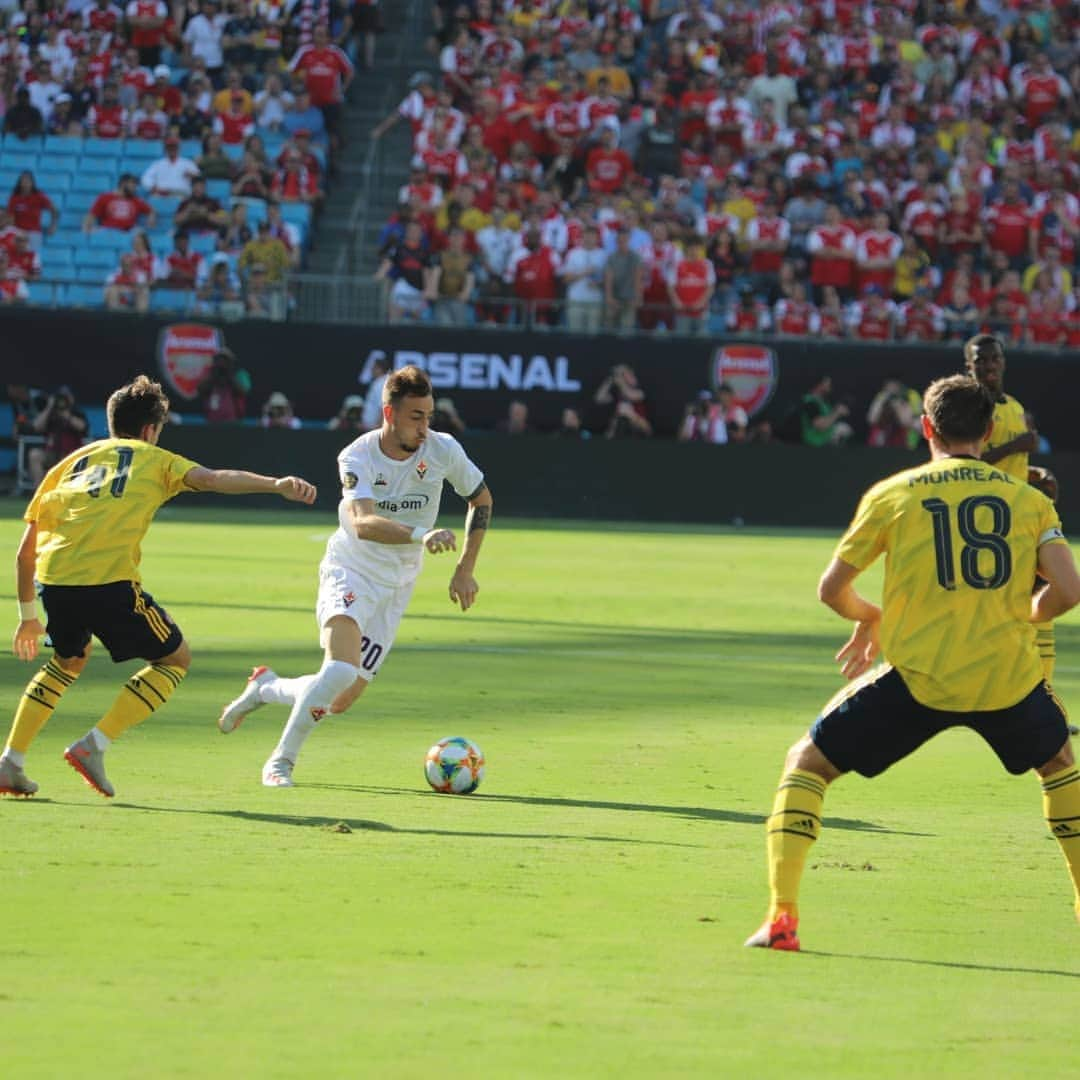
(334,677)
(100,739)
(16,757)
(284,691)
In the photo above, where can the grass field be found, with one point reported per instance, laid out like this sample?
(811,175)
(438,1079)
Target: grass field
(583,914)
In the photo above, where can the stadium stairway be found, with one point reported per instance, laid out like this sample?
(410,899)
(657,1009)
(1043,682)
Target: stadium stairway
(365,190)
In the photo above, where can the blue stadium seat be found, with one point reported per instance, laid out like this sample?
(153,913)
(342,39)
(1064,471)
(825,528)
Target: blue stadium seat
(233,151)
(58,262)
(190,148)
(219,189)
(165,205)
(63,144)
(99,257)
(93,275)
(8,177)
(79,200)
(66,238)
(43,293)
(102,148)
(161,240)
(53,181)
(296,213)
(203,243)
(144,150)
(110,239)
(170,300)
(90,296)
(256,211)
(19,160)
(66,163)
(273,144)
(92,182)
(72,219)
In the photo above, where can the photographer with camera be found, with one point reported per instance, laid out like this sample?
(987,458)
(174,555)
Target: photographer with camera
(278,413)
(64,427)
(350,416)
(894,416)
(224,390)
(628,414)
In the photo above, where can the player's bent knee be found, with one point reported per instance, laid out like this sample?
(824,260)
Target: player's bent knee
(346,698)
(73,664)
(806,757)
(1063,759)
(179,657)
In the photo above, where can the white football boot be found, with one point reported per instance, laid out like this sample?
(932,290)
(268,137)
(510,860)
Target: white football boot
(232,716)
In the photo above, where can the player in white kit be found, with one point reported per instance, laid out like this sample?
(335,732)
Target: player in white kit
(391,486)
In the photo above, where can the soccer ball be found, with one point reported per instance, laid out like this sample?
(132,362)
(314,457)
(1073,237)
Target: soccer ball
(454,766)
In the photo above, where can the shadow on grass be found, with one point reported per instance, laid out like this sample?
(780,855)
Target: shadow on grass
(363,825)
(958,964)
(700,813)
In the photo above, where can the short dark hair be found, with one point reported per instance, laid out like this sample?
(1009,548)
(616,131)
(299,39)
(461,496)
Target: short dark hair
(132,407)
(975,345)
(409,381)
(959,407)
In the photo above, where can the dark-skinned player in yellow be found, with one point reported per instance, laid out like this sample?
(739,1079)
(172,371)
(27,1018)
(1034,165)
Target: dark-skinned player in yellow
(963,542)
(84,528)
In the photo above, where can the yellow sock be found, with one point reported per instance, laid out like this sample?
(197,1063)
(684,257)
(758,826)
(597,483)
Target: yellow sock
(1061,807)
(793,826)
(146,690)
(39,699)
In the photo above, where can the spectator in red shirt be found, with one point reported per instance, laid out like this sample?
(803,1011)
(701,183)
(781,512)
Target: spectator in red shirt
(535,280)
(234,125)
(23,261)
(27,205)
(148,121)
(691,287)
(182,264)
(127,287)
(327,73)
(607,168)
(1008,224)
(119,209)
(294,183)
(13,289)
(108,120)
(831,247)
(169,98)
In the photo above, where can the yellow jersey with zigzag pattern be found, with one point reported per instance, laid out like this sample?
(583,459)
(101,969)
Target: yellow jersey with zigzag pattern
(93,509)
(961,542)
(1009,423)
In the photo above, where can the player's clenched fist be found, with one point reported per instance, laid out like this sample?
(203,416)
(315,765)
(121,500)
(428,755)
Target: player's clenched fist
(296,490)
(439,540)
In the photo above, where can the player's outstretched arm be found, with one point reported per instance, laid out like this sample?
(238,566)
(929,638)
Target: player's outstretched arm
(238,482)
(1062,593)
(368,525)
(25,644)
(463,585)
(837,591)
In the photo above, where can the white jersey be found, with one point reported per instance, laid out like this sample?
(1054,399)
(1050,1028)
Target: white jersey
(408,492)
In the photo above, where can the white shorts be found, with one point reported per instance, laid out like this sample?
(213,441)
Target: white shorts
(375,608)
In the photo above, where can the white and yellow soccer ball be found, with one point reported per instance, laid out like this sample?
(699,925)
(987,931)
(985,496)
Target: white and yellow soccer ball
(454,766)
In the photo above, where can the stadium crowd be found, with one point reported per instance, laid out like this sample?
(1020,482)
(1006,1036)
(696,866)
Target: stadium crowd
(840,168)
(181,148)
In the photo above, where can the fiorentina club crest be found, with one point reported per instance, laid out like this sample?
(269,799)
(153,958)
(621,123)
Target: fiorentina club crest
(421,469)
(348,599)
(750,370)
(185,352)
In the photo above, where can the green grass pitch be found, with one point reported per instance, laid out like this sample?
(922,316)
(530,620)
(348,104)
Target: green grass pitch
(583,914)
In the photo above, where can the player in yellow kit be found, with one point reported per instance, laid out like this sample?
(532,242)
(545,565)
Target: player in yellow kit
(962,541)
(84,527)
(1011,441)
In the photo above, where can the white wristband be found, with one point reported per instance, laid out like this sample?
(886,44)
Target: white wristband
(27,610)
(418,534)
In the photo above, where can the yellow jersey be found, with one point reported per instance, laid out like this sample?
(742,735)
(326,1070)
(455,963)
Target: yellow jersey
(93,509)
(961,542)
(1009,423)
